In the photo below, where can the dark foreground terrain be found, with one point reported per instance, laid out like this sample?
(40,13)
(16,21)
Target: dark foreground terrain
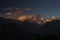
(50,31)
(16,30)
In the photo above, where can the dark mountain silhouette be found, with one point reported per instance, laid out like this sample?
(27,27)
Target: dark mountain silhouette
(17,30)
(50,31)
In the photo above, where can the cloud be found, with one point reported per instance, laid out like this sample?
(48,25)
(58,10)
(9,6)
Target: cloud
(18,12)
(39,8)
(27,9)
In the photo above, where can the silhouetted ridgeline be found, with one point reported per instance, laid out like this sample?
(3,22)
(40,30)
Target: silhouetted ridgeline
(16,30)
(50,31)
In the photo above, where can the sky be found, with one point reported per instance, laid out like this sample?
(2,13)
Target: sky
(46,8)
